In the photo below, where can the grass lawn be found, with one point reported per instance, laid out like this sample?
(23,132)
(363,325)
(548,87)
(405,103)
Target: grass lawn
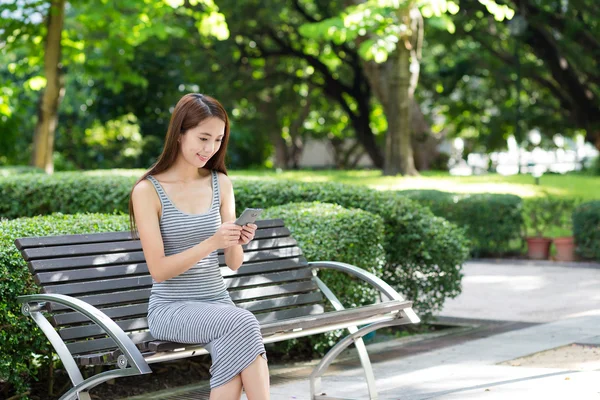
(568,185)
(571,185)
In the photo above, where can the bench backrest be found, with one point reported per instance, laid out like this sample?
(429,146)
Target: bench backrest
(108,271)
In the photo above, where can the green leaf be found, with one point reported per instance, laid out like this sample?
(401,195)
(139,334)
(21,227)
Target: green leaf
(36,83)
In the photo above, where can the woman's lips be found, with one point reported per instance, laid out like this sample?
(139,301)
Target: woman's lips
(203,159)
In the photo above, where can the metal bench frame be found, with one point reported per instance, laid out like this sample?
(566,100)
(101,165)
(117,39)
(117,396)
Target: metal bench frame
(132,362)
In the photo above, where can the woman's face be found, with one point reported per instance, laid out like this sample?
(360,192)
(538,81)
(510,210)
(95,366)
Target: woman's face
(199,144)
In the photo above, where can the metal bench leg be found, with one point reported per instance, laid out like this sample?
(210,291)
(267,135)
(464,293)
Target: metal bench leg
(315,376)
(61,350)
(359,343)
(80,388)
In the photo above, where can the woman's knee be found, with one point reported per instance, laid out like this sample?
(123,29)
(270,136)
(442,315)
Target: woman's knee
(248,321)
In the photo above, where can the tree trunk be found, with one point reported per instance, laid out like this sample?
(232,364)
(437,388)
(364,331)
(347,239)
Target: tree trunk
(51,96)
(399,154)
(394,84)
(281,155)
(296,144)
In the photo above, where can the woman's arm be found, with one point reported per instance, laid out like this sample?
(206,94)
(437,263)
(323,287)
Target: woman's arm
(146,206)
(234,255)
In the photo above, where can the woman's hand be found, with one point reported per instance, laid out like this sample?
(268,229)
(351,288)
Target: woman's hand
(247,233)
(227,235)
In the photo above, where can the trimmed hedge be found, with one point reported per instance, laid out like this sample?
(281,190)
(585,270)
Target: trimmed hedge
(328,232)
(586,229)
(424,252)
(493,222)
(19,169)
(29,195)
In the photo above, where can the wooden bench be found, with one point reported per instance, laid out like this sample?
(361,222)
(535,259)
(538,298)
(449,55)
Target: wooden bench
(94,301)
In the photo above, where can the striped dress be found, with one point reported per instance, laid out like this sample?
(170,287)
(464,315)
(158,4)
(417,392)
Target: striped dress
(195,307)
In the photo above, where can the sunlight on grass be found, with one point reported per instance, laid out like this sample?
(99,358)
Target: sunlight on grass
(116,172)
(587,187)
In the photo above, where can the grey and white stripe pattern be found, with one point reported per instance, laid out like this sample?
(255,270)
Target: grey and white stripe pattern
(195,307)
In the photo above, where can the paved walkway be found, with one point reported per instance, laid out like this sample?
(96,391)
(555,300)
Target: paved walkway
(518,308)
(563,301)
(525,291)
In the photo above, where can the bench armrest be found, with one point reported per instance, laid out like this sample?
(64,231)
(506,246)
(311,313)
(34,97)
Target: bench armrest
(367,277)
(124,342)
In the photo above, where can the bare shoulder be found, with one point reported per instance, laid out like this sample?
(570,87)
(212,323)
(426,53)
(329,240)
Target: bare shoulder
(224,181)
(144,197)
(144,190)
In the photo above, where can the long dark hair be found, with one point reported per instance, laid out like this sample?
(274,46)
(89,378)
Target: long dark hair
(190,111)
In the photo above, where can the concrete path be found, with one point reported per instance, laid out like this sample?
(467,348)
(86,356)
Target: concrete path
(525,291)
(563,300)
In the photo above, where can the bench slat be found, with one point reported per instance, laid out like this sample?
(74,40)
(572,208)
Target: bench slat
(261,267)
(104,299)
(88,346)
(86,261)
(290,313)
(335,317)
(134,282)
(262,240)
(281,302)
(125,270)
(57,240)
(138,257)
(276,290)
(244,281)
(89,331)
(91,273)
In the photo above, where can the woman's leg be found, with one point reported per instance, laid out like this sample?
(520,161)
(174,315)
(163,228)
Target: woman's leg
(232,390)
(255,380)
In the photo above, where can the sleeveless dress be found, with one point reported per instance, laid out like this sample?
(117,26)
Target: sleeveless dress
(195,307)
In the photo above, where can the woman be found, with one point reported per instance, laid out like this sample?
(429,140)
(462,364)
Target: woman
(184,209)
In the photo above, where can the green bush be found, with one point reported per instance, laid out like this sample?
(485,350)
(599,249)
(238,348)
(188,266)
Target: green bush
(29,195)
(18,169)
(586,229)
(424,253)
(20,339)
(549,216)
(493,222)
(327,232)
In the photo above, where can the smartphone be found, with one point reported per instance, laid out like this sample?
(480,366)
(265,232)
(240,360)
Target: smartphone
(249,216)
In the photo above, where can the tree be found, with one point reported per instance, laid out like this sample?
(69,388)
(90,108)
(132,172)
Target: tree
(43,139)
(389,71)
(389,36)
(95,37)
(471,77)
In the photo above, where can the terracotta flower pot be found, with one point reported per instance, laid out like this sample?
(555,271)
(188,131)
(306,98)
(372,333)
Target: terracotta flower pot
(565,248)
(538,248)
